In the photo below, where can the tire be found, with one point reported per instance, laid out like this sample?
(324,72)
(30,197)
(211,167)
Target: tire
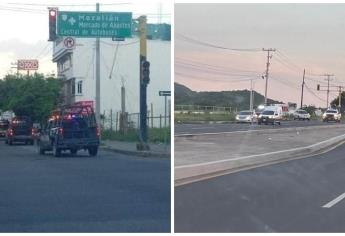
(93,150)
(40,149)
(56,151)
(32,142)
(74,151)
(6,141)
(10,142)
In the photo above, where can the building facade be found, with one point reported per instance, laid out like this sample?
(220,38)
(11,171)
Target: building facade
(119,62)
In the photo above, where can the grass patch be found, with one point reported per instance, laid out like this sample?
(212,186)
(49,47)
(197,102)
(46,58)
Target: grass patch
(195,117)
(155,135)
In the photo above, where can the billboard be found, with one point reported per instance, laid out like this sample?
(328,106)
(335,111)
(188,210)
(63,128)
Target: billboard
(27,64)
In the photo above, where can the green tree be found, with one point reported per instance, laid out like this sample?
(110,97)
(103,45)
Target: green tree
(33,95)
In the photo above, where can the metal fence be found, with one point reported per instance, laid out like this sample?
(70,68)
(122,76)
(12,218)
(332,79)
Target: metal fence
(111,120)
(197,108)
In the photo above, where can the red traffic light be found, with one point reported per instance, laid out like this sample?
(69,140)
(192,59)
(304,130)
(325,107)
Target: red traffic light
(52,24)
(52,13)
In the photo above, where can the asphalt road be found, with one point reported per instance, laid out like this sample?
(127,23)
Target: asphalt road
(305,195)
(181,129)
(109,193)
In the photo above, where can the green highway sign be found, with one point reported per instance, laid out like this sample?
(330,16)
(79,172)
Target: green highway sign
(94,24)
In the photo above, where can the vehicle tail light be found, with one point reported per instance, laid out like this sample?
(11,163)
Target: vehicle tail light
(98,132)
(32,132)
(61,131)
(11,132)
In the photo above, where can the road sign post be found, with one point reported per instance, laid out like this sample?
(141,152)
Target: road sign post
(165,94)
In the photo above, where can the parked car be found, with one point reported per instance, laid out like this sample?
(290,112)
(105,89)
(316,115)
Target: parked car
(20,130)
(4,124)
(331,115)
(70,128)
(301,115)
(246,117)
(271,115)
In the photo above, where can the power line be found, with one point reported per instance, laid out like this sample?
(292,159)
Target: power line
(214,79)
(114,60)
(39,54)
(202,64)
(210,70)
(202,43)
(291,63)
(2,8)
(67,5)
(310,91)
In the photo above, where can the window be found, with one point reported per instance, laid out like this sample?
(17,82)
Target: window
(80,87)
(73,86)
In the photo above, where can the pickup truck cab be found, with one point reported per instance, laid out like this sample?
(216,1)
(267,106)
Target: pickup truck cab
(20,130)
(70,128)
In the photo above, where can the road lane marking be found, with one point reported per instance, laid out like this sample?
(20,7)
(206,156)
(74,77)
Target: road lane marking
(342,137)
(256,128)
(334,201)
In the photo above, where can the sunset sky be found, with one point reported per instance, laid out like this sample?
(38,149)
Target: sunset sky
(310,36)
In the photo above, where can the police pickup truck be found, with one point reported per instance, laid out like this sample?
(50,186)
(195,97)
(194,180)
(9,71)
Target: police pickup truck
(70,128)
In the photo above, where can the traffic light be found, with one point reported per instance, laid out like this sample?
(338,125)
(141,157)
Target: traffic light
(318,87)
(52,24)
(146,71)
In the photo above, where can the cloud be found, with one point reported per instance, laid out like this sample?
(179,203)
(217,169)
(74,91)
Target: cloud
(13,49)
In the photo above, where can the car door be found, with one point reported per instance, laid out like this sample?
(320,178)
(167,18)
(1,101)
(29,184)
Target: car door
(44,138)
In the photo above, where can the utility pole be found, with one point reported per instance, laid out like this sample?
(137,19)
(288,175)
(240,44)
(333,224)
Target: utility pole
(98,76)
(302,89)
(268,50)
(339,99)
(328,79)
(251,100)
(144,80)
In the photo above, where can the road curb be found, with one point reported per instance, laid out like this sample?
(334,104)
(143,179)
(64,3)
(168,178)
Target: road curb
(263,131)
(137,153)
(196,172)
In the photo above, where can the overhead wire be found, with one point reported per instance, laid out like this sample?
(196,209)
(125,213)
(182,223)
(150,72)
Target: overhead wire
(206,44)
(66,5)
(208,70)
(217,79)
(202,64)
(114,60)
(311,92)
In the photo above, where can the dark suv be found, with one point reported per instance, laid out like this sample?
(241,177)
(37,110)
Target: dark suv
(20,130)
(70,128)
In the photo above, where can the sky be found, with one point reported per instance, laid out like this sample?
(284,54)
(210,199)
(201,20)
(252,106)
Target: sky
(24,26)
(305,36)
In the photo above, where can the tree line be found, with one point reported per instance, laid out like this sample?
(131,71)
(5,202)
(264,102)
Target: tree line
(34,95)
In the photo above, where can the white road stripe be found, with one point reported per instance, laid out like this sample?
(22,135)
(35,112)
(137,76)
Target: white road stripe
(335,201)
(262,154)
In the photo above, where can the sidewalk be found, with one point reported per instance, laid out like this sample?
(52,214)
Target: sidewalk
(130,148)
(204,154)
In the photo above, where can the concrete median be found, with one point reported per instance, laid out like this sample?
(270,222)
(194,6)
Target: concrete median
(231,152)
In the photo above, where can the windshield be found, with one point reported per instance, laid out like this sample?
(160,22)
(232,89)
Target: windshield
(245,113)
(302,112)
(331,111)
(268,112)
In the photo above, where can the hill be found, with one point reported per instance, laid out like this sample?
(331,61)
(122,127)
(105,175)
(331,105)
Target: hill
(237,98)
